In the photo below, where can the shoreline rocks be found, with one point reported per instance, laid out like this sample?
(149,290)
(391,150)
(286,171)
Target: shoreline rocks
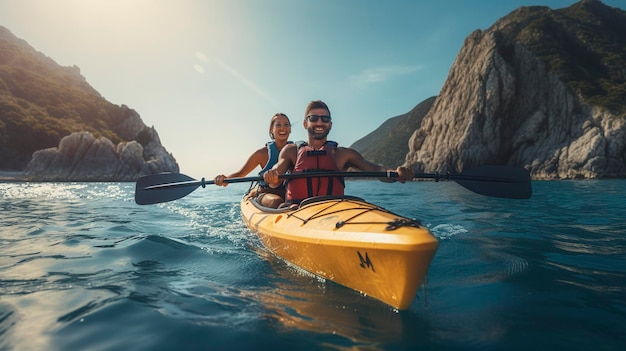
(81,157)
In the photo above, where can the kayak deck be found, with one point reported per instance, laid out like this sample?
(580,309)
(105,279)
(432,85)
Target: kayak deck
(350,242)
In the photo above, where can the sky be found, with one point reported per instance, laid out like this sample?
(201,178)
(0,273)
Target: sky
(209,74)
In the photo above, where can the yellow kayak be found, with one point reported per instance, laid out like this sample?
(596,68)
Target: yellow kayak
(344,238)
(350,242)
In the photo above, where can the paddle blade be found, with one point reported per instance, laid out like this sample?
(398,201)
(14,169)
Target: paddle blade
(497,181)
(163,187)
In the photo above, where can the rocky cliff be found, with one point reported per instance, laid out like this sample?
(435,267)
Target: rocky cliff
(544,89)
(56,127)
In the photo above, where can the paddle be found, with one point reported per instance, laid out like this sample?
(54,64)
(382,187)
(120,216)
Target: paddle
(496,181)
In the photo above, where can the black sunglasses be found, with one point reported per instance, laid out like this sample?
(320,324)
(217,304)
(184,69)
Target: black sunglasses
(314,118)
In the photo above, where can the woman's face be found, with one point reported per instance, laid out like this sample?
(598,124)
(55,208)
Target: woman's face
(281,128)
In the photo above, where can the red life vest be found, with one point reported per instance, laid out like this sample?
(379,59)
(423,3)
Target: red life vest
(311,160)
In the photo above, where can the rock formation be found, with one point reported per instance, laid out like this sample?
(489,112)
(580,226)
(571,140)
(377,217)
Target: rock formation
(502,105)
(82,157)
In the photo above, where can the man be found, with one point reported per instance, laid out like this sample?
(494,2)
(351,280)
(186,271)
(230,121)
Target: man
(319,154)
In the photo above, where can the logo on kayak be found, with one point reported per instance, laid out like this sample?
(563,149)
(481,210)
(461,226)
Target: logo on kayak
(365,261)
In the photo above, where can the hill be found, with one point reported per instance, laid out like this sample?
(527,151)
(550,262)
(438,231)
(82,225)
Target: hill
(42,102)
(389,143)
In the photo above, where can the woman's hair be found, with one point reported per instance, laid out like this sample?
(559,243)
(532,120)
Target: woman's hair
(316,104)
(274,118)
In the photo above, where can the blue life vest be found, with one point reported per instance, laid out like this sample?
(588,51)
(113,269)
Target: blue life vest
(272,152)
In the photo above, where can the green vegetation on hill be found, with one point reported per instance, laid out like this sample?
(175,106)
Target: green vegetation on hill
(41,102)
(389,143)
(584,44)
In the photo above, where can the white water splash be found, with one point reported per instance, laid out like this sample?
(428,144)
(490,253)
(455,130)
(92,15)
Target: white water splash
(447,231)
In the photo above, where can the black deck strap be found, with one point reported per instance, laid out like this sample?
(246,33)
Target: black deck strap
(393,225)
(403,222)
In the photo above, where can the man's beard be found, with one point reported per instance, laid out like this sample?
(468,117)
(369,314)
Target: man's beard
(318,136)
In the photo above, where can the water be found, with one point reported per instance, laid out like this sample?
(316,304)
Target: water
(82,267)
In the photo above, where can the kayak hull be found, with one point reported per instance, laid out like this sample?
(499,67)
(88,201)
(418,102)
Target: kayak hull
(350,242)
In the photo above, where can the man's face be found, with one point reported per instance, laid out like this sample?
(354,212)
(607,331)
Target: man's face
(315,125)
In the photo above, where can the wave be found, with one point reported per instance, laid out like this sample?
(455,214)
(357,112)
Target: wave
(447,231)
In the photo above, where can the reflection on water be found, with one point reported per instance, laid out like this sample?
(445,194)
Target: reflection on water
(83,267)
(302,301)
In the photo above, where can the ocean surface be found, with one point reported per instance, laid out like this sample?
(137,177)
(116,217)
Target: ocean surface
(82,267)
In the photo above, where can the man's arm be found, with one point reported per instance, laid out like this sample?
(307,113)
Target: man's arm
(348,157)
(286,161)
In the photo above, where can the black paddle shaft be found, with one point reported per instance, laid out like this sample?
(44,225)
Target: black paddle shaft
(496,181)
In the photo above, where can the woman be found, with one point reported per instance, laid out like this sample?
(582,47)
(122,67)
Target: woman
(266,157)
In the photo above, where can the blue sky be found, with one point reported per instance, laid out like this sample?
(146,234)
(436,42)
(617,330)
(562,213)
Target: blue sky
(209,74)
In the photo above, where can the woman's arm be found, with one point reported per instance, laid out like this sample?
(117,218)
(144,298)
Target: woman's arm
(258,158)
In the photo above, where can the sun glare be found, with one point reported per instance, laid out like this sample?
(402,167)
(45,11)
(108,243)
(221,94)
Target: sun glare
(112,24)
